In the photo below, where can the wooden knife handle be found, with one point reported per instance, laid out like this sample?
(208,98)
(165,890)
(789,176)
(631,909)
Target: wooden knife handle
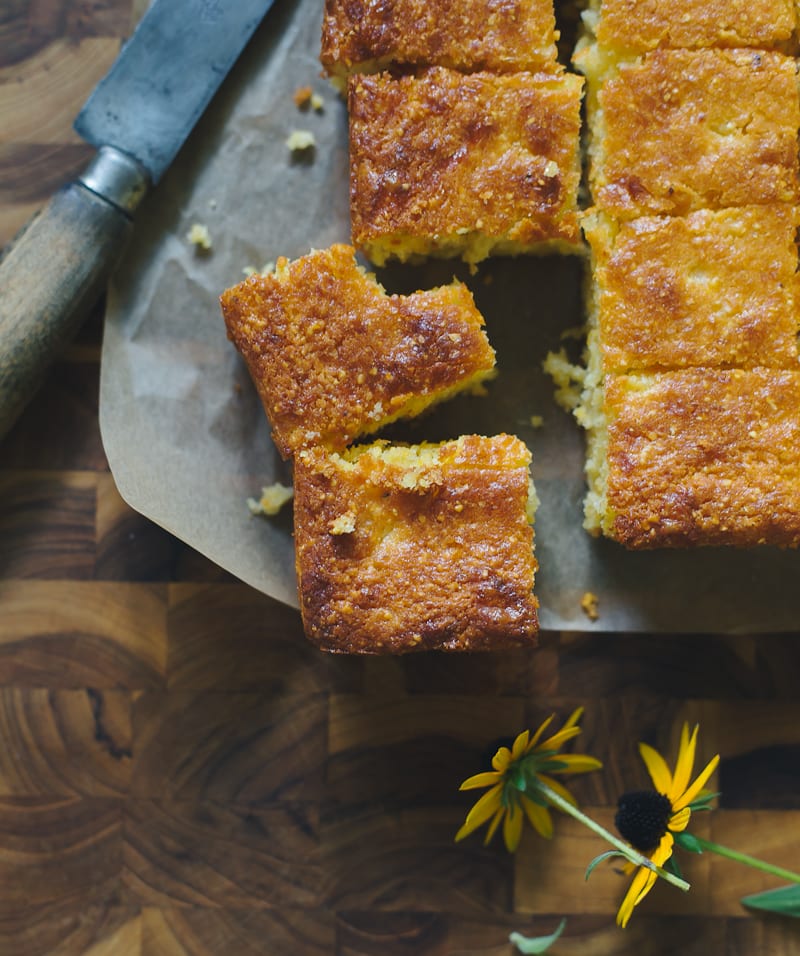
(52,274)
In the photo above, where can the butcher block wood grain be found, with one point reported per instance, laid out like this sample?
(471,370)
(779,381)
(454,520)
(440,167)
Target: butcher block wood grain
(181,774)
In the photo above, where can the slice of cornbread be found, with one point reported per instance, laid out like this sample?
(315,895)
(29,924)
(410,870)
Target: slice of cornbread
(678,130)
(468,35)
(628,27)
(714,288)
(333,356)
(698,457)
(449,164)
(427,547)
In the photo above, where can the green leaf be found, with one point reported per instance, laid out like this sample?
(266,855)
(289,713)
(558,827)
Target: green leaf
(703,802)
(686,841)
(536,944)
(599,859)
(672,866)
(785,901)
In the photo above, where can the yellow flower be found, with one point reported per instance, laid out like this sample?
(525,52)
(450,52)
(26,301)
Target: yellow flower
(515,783)
(647,819)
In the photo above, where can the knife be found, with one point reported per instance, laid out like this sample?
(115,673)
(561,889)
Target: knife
(138,118)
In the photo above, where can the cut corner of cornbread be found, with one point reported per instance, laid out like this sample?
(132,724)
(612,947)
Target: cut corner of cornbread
(698,457)
(465,35)
(334,357)
(407,548)
(447,164)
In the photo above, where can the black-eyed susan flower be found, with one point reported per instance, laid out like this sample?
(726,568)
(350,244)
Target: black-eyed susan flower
(519,781)
(650,819)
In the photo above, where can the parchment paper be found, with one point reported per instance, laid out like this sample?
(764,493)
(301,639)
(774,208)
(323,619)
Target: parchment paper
(184,432)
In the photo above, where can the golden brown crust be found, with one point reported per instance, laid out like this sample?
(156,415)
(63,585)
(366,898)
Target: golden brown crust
(636,27)
(447,158)
(334,357)
(702,457)
(439,556)
(687,130)
(716,288)
(464,35)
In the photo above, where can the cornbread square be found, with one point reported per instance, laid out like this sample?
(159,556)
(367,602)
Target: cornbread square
(679,130)
(465,35)
(714,288)
(427,547)
(702,457)
(446,164)
(626,27)
(333,356)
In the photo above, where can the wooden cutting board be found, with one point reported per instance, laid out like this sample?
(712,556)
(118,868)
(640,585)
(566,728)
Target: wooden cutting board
(180,773)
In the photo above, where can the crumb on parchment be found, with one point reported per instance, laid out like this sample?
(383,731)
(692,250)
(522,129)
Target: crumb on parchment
(302,96)
(199,236)
(300,140)
(273,498)
(589,606)
(267,269)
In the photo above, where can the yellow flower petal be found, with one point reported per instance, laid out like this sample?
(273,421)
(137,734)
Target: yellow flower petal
(486,807)
(657,768)
(697,786)
(559,788)
(512,827)
(573,718)
(685,763)
(635,893)
(559,739)
(578,763)
(680,820)
(501,759)
(481,780)
(520,745)
(538,735)
(539,817)
(664,849)
(644,880)
(492,828)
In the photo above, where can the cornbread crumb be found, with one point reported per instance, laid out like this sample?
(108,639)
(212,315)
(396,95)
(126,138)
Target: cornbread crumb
(302,96)
(589,605)
(344,524)
(199,236)
(300,140)
(273,498)
(568,379)
(317,103)
(265,270)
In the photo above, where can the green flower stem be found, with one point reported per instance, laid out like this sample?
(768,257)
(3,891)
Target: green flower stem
(747,860)
(627,851)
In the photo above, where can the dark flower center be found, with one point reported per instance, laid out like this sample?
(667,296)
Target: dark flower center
(642,818)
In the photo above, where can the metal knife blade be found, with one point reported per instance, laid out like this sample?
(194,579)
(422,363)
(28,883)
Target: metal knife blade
(165,76)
